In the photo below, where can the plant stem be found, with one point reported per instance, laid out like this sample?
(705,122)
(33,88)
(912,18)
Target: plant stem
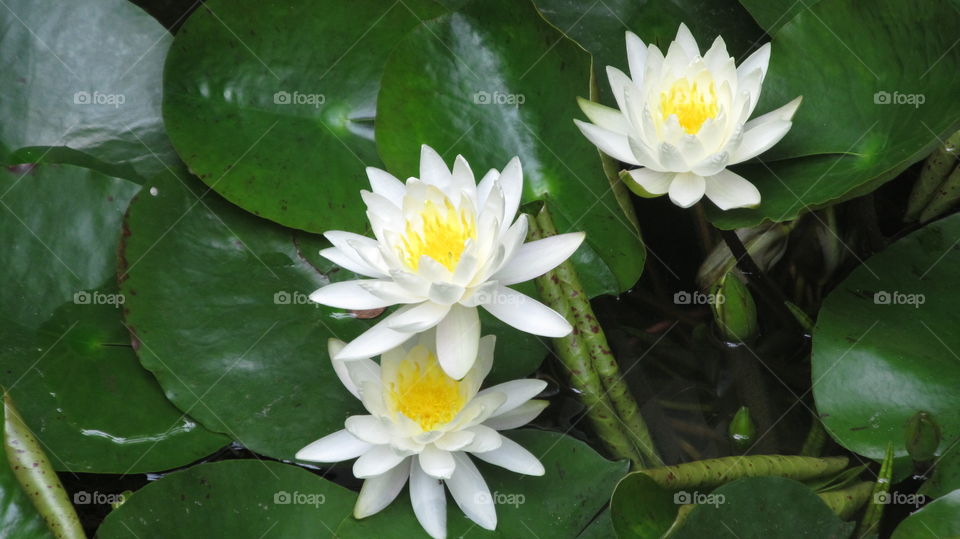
(575,357)
(752,391)
(715,472)
(816,439)
(769,292)
(588,329)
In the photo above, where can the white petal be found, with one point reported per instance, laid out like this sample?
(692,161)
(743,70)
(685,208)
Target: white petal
(373,342)
(729,190)
(760,59)
(379,459)
(484,439)
(712,164)
(485,185)
(463,179)
(513,457)
(686,40)
(538,257)
(417,318)
(604,116)
(385,184)
(615,145)
(686,189)
(762,132)
(651,182)
(433,170)
(517,392)
(368,428)
(458,340)
(518,417)
(636,57)
(377,492)
(429,501)
(527,314)
(381,206)
(348,295)
(470,492)
(620,85)
(390,291)
(455,440)
(336,447)
(437,463)
(717,55)
(349,261)
(670,157)
(511,181)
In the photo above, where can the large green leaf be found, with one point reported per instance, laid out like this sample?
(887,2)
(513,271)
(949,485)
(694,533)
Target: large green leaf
(457,83)
(641,508)
(65,355)
(946,476)
(83,74)
(576,486)
(886,341)
(853,62)
(233,498)
(941,518)
(772,14)
(218,300)
(243,88)
(755,507)
(600,27)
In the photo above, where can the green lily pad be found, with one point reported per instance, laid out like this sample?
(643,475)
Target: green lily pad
(641,508)
(217,298)
(493,81)
(940,518)
(273,106)
(70,87)
(772,14)
(945,478)
(768,507)
(885,345)
(863,70)
(233,498)
(547,506)
(600,27)
(66,357)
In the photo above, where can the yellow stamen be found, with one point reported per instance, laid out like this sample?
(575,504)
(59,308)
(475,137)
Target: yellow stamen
(424,393)
(442,235)
(691,102)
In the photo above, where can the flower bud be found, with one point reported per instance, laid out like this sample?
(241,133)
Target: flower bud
(734,309)
(742,430)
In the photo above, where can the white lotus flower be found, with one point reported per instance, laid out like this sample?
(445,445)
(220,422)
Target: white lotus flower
(683,119)
(444,245)
(422,426)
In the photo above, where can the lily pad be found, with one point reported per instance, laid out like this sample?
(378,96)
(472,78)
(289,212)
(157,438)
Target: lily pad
(600,27)
(273,106)
(885,345)
(69,87)
(945,478)
(218,300)
(768,507)
(900,74)
(493,81)
(66,356)
(233,498)
(940,518)
(544,506)
(641,508)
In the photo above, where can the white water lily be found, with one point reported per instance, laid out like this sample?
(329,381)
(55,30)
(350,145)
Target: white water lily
(444,246)
(422,426)
(683,119)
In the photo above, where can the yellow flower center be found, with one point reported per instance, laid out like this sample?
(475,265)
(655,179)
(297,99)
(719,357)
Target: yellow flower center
(424,393)
(442,235)
(691,102)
